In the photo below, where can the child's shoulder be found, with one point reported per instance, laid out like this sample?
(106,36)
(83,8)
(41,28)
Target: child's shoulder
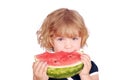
(94,67)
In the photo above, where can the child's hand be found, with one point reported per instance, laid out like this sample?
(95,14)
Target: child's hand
(39,70)
(87,64)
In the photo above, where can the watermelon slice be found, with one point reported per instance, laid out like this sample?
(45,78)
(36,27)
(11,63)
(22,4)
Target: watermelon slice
(61,64)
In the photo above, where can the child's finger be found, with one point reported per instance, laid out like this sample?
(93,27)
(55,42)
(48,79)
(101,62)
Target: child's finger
(86,60)
(87,57)
(35,66)
(38,68)
(44,68)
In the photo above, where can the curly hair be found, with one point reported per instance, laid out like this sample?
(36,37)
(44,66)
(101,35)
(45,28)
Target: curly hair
(61,22)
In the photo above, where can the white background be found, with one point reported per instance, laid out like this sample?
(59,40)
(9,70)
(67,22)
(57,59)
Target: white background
(20,19)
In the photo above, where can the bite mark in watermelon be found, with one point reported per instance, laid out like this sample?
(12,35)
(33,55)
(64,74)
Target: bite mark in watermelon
(61,64)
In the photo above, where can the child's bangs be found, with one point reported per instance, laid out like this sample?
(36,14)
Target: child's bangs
(67,31)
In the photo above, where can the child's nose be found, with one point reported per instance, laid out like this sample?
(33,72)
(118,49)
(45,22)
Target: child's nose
(68,44)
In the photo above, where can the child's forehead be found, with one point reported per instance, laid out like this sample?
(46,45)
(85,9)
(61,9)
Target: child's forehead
(67,36)
(67,33)
(68,29)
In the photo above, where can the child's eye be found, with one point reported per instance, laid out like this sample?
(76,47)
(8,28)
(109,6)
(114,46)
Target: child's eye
(60,39)
(75,38)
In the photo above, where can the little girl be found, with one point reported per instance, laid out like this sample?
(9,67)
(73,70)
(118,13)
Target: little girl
(64,30)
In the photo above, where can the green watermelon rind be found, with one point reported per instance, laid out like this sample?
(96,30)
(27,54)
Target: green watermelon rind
(64,72)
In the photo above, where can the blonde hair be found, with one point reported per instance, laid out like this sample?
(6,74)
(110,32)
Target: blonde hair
(62,22)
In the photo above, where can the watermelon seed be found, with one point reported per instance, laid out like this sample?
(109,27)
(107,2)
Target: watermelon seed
(70,56)
(55,61)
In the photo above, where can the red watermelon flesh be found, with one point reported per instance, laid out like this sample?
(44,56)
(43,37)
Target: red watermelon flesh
(59,58)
